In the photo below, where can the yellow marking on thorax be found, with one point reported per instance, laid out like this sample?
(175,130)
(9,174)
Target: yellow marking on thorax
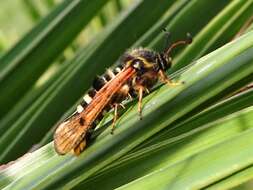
(146,63)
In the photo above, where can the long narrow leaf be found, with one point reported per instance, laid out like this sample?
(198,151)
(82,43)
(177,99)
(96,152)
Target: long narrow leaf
(225,159)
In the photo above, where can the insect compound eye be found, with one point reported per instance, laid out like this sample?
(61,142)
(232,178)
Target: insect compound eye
(137,64)
(163,62)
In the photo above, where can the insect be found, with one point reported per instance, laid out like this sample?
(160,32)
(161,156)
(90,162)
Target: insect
(137,73)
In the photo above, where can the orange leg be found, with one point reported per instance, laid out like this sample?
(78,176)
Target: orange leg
(164,78)
(115,117)
(140,101)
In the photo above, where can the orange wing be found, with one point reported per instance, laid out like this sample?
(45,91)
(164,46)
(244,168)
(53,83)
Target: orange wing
(70,135)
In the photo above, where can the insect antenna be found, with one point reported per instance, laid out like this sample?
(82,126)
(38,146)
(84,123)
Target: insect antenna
(188,40)
(167,38)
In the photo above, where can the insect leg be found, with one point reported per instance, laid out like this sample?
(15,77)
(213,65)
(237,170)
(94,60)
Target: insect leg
(140,95)
(129,95)
(122,105)
(115,117)
(164,78)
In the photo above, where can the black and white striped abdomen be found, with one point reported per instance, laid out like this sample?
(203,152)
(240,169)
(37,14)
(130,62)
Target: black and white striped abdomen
(97,84)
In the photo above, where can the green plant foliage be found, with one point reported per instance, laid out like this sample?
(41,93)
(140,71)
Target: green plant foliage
(192,136)
(34,53)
